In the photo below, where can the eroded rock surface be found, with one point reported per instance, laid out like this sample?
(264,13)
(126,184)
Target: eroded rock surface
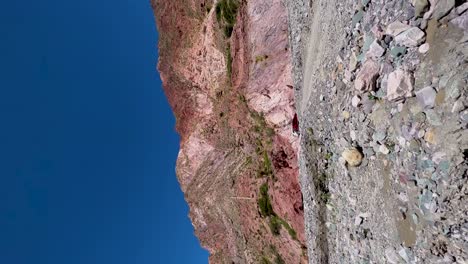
(226,71)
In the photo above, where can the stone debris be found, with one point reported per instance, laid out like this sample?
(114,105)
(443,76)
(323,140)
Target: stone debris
(365,80)
(424,48)
(442,8)
(395,28)
(426,97)
(461,21)
(407,114)
(399,85)
(420,7)
(375,50)
(411,37)
(355,101)
(352,156)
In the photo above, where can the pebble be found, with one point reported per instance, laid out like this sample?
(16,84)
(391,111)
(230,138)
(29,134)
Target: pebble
(352,156)
(426,97)
(379,136)
(355,101)
(429,137)
(424,48)
(457,106)
(353,135)
(353,62)
(464,116)
(433,118)
(358,220)
(346,114)
(384,150)
(453,87)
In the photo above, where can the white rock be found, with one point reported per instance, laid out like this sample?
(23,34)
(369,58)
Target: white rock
(438,157)
(424,48)
(457,107)
(421,133)
(353,62)
(399,85)
(355,101)
(358,220)
(426,97)
(384,150)
(353,135)
(392,256)
(402,141)
(411,37)
(396,28)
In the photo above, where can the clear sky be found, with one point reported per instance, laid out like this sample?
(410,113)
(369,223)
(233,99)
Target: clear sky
(87,140)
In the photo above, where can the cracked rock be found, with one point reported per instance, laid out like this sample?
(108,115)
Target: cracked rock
(411,37)
(399,85)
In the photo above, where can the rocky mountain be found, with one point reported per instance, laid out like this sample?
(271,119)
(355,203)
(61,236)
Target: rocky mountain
(379,171)
(226,70)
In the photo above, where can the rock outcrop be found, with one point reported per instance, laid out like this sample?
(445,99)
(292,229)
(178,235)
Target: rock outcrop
(226,70)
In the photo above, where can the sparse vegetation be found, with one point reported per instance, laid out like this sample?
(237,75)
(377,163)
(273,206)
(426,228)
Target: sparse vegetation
(260,58)
(226,12)
(264,203)
(275,225)
(267,168)
(291,231)
(321,184)
(372,97)
(264,260)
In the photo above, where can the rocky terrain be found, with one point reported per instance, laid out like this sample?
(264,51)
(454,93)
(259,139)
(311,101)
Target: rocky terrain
(226,70)
(379,172)
(381,93)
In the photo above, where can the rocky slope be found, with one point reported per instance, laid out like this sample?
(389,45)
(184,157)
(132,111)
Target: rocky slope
(226,70)
(381,91)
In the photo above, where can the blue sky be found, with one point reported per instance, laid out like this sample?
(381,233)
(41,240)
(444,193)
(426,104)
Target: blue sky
(87,140)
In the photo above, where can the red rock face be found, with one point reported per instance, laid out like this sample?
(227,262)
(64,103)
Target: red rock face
(235,127)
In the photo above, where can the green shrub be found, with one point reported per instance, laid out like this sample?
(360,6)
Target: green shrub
(275,225)
(279,259)
(264,260)
(264,203)
(226,12)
